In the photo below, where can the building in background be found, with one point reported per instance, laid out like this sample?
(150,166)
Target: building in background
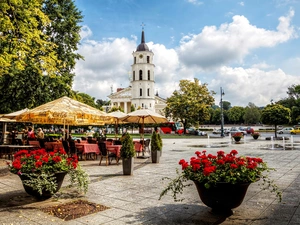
(141,92)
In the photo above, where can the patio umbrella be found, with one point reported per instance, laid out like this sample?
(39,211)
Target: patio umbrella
(117,115)
(65,111)
(143,116)
(13,115)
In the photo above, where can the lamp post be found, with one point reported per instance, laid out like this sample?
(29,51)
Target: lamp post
(222,115)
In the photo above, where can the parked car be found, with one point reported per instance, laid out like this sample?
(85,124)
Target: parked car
(218,131)
(295,130)
(286,130)
(250,130)
(234,130)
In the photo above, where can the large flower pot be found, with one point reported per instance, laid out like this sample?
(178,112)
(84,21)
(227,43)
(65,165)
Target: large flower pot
(255,137)
(223,197)
(237,139)
(155,156)
(59,178)
(127,166)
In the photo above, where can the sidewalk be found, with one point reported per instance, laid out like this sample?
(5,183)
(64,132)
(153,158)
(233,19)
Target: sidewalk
(134,199)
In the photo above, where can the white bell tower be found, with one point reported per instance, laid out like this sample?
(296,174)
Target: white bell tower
(142,80)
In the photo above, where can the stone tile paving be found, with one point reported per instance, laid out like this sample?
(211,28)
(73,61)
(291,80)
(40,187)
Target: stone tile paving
(134,199)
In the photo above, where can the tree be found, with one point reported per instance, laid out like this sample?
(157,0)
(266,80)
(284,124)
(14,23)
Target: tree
(252,114)
(190,104)
(235,114)
(87,99)
(28,87)
(23,42)
(226,105)
(292,102)
(275,114)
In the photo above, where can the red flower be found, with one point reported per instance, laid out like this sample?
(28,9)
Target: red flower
(233,166)
(56,159)
(38,164)
(209,170)
(233,152)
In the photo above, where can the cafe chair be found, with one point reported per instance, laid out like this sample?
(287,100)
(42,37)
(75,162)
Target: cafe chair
(72,148)
(117,142)
(66,146)
(104,153)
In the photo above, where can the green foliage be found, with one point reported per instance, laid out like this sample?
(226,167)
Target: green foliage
(292,102)
(275,114)
(87,99)
(114,109)
(235,114)
(252,114)
(156,142)
(48,48)
(190,104)
(132,108)
(23,40)
(127,149)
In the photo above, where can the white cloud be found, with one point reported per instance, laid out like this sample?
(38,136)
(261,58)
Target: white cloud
(195,2)
(241,3)
(231,42)
(85,32)
(242,86)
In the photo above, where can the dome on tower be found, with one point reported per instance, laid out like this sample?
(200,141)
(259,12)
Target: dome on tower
(142,46)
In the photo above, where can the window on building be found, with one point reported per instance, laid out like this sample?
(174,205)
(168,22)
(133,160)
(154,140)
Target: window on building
(142,105)
(150,105)
(134,60)
(141,75)
(133,75)
(148,91)
(148,74)
(141,92)
(148,59)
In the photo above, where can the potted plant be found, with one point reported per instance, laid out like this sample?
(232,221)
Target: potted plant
(222,179)
(255,135)
(127,153)
(42,172)
(156,147)
(237,136)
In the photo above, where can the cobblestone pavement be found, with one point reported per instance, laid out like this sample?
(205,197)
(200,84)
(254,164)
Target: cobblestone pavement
(134,199)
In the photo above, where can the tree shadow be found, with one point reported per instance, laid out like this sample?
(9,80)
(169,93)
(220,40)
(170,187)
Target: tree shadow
(185,214)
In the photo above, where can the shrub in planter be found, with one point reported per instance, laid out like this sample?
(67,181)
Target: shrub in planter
(156,147)
(127,153)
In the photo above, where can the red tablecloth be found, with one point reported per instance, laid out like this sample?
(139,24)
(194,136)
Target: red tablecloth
(138,146)
(34,143)
(114,149)
(53,145)
(89,148)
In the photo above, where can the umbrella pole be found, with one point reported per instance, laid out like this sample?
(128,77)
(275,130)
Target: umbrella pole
(64,133)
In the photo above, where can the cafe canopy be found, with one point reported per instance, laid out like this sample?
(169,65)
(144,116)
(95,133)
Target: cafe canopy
(65,111)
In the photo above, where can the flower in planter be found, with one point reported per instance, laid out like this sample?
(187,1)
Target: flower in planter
(237,135)
(40,166)
(229,168)
(255,135)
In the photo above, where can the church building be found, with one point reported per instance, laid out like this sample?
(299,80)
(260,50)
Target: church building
(141,92)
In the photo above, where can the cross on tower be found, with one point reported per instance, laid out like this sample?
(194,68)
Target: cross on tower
(143,25)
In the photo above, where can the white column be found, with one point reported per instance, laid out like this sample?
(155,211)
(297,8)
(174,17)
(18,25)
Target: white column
(125,107)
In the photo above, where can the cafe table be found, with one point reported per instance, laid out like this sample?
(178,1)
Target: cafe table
(88,148)
(53,145)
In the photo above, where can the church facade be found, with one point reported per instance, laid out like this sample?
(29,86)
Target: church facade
(141,92)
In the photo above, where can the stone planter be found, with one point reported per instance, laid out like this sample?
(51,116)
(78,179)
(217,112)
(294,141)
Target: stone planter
(45,194)
(155,156)
(223,197)
(237,139)
(128,166)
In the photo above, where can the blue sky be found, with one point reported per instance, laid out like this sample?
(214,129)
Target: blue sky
(249,48)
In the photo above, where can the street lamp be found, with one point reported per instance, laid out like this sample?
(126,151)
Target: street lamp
(222,115)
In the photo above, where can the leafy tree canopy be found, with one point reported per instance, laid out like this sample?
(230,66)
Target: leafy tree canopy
(235,114)
(252,114)
(275,114)
(190,104)
(22,39)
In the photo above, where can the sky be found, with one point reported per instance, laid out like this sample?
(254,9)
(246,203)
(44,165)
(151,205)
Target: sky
(250,48)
